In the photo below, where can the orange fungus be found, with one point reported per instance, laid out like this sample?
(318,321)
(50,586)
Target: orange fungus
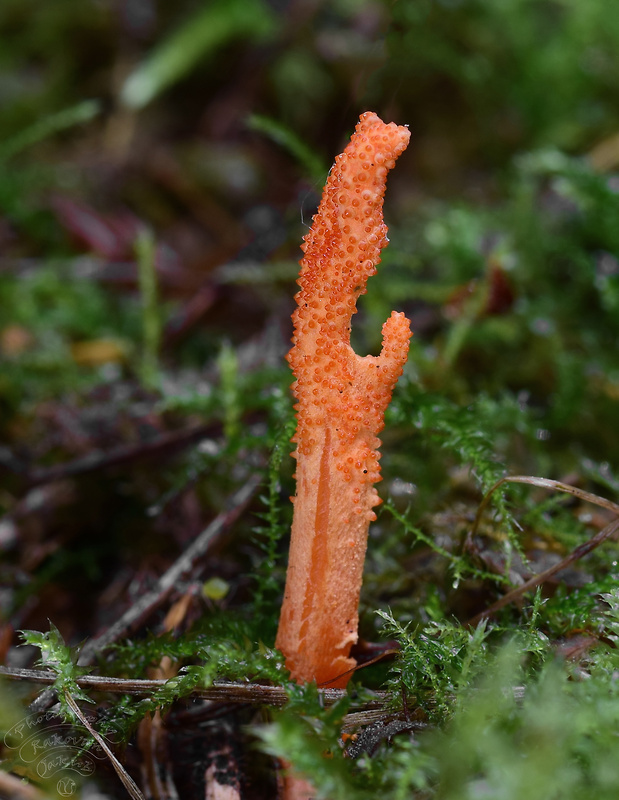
(341,401)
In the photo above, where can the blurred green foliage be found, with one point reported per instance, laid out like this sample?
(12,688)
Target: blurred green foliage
(515,74)
(200,37)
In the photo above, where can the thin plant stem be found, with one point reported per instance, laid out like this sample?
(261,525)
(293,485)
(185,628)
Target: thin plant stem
(151,316)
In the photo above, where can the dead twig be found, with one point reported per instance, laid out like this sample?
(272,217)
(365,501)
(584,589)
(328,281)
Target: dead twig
(163,445)
(140,610)
(218,692)
(582,550)
(536,580)
(153,599)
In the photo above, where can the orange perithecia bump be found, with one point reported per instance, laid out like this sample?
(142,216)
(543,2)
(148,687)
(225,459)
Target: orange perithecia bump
(341,402)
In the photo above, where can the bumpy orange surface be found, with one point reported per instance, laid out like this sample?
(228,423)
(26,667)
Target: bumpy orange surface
(342,399)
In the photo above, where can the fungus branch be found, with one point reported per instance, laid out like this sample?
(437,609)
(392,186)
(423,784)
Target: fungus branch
(342,399)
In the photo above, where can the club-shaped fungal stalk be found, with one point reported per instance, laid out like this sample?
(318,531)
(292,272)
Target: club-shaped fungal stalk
(342,399)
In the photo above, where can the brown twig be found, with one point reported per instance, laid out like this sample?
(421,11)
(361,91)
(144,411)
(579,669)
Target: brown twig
(153,599)
(537,580)
(576,554)
(166,443)
(219,692)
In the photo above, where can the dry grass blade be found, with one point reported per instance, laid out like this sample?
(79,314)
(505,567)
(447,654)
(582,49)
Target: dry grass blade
(122,773)
(544,483)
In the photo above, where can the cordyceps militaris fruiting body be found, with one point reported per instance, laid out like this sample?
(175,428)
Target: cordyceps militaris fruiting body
(341,402)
